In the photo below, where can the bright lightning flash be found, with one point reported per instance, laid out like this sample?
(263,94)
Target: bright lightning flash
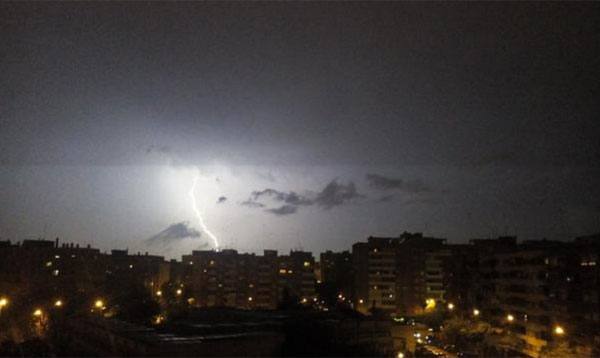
(197,211)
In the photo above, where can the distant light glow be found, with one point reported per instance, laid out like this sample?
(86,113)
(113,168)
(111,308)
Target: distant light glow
(99,304)
(430,304)
(197,211)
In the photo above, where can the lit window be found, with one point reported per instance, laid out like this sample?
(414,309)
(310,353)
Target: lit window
(55,272)
(306,264)
(282,271)
(49,263)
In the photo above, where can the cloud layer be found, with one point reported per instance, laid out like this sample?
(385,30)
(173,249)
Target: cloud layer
(334,194)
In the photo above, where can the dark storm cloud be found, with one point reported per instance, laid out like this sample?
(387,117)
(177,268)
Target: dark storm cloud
(336,194)
(175,238)
(290,198)
(380,182)
(221,199)
(525,78)
(175,232)
(283,210)
(252,204)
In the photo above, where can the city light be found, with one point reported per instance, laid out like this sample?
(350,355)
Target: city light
(510,318)
(159,319)
(99,304)
(159,293)
(450,306)
(306,264)
(559,330)
(3,302)
(37,312)
(400,355)
(58,303)
(361,301)
(250,299)
(476,312)
(179,292)
(429,304)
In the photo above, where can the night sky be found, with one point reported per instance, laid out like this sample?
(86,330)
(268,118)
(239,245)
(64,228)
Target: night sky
(304,125)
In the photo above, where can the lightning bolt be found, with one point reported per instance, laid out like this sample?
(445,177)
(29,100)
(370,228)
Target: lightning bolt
(192,194)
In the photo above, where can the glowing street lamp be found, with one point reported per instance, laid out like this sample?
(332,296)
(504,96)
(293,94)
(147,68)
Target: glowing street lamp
(159,293)
(510,318)
(38,312)
(58,303)
(450,306)
(99,304)
(476,312)
(3,303)
(179,292)
(429,304)
(559,330)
